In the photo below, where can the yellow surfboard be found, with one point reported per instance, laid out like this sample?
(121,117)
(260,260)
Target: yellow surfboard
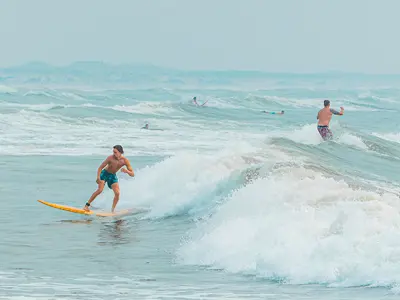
(91,212)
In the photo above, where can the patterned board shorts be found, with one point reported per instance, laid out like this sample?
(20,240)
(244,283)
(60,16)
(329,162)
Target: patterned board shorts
(325,132)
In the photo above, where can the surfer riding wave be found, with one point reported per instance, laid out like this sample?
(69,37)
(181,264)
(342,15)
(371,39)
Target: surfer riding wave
(106,173)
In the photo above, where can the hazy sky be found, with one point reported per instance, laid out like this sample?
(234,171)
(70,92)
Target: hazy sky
(271,35)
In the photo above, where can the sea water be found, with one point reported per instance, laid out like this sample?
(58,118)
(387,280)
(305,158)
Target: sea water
(240,204)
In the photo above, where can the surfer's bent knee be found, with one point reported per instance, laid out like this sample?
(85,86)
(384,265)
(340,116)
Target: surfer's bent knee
(100,189)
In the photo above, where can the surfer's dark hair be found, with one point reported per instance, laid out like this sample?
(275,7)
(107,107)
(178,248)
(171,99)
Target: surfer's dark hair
(326,102)
(119,148)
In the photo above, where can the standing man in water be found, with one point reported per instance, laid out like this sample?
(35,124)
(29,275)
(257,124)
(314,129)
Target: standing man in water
(324,117)
(111,166)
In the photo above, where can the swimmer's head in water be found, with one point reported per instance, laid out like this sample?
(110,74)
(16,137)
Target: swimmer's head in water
(283,111)
(194,98)
(327,103)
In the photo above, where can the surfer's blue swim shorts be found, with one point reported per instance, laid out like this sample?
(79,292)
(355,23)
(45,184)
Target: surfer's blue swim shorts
(108,177)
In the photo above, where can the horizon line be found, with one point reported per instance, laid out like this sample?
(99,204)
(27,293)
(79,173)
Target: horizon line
(154,66)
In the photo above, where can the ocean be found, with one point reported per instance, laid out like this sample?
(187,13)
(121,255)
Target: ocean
(240,204)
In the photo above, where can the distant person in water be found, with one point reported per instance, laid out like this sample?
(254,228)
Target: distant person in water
(324,117)
(147,127)
(197,104)
(274,113)
(106,173)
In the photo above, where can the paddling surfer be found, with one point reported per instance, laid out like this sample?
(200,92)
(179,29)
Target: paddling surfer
(106,173)
(324,117)
(274,113)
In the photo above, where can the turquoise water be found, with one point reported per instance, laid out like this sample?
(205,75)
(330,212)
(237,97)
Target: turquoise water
(241,204)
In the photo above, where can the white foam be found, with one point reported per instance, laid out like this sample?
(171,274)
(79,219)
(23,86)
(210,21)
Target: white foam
(38,93)
(145,108)
(361,108)
(368,94)
(7,89)
(36,132)
(190,182)
(349,104)
(307,134)
(299,226)
(46,106)
(72,96)
(220,103)
(51,93)
(392,137)
(182,183)
(352,140)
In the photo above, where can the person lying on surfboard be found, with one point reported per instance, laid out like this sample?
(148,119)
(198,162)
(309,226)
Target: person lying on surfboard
(107,173)
(273,113)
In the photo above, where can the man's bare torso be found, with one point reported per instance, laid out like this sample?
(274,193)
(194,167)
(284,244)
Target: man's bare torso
(324,117)
(114,164)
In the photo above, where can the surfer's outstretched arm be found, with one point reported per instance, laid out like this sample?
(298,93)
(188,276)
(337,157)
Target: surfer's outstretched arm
(338,113)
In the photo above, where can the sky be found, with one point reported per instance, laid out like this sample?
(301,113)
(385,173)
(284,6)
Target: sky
(266,35)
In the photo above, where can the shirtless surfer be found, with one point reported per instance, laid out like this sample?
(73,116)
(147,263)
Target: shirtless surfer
(324,117)
(111,166)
